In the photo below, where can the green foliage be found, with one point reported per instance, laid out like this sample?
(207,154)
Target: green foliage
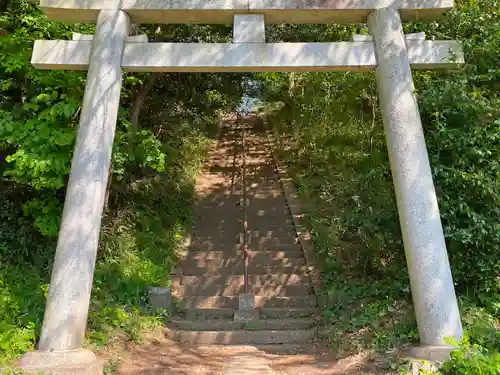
(19,240)
(461,114)
(331,137)
(151,184)
(142,231)
(146,152)
(37,108)
(147,220)
(478,353)
(22,297)
(472,360)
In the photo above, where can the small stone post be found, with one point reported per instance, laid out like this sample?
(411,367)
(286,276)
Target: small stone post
(431,281)
(60,347)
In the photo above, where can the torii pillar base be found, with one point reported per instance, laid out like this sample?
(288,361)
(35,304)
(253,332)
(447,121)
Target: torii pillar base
(68,362)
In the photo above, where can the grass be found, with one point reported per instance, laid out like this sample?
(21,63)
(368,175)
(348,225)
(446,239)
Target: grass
(147,219)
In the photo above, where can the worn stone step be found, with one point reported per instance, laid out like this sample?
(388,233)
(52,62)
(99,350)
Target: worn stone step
(219,204)
(275,206)
(253,269)
(238,263)
(240,337)
(267,280)
(210,245)
(207,314)
(230,325)
(231,195)
(231,302)
(288,349)
(261,256)
(258,238)
(287,313)
(258,223)
(201,289)
(222,233)
(265,313)
(206,225)
(236,213)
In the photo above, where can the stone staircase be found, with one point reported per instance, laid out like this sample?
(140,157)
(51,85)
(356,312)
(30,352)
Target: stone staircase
(211,274)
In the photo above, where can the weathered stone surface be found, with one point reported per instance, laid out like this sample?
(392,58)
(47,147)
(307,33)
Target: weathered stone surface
(70,362)
(209,314)
(280,337)
(222,11)
(254,269)
(202,289)
(160,298)
(245,316)
(241,364)
(369,38)
(71,282)
(246,302)
(236,263)
(286,313)
(208,337)
(245,57)
(252,325)
(249,28)
(433,353)
(129,39)
(431,281)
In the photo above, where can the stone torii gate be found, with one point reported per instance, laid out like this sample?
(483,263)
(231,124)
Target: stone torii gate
(111,51)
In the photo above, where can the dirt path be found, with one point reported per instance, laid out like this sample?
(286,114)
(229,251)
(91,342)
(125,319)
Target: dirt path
(161,356)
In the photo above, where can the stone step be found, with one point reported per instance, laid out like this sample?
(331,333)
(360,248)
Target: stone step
(240,337)
(209,245)
(259,240)
(262,256)
(230,325)
(260,222)
(207,314)
(231,302)
(253,269)
(287,313)
(265,280)
(288,349)
(236,213)
(216,231)
(275,207)
(235,289)
(238,263)
(254,237)
(265,313)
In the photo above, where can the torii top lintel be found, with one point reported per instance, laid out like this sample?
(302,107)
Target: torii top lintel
(223,11)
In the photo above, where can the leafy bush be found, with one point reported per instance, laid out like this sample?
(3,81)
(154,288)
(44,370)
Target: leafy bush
(479,350)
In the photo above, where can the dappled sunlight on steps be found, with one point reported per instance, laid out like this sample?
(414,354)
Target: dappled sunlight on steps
(211,273)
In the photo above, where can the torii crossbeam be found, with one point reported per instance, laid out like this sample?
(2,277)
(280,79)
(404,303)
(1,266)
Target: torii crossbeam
(111,51)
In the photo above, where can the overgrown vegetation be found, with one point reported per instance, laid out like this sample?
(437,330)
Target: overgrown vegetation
(331,136)
(165,122)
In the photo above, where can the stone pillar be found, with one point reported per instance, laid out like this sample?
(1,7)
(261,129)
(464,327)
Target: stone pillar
(431,281)
(67,305)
